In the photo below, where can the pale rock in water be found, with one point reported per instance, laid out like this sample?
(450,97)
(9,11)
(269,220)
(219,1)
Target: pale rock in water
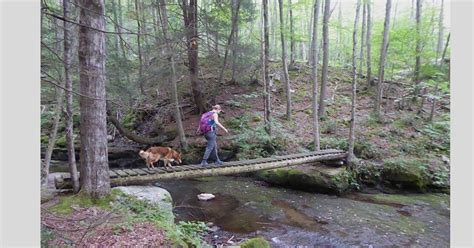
(205,196)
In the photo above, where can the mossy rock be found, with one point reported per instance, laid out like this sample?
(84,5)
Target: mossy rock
(258,242)
(319,178)
(406,174)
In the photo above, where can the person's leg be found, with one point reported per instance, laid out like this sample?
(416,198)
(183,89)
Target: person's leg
(218,161)
(211,141)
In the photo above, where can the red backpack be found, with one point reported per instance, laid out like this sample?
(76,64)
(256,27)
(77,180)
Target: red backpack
(206,123)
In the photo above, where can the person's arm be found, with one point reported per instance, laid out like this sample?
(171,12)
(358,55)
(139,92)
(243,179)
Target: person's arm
(216,119)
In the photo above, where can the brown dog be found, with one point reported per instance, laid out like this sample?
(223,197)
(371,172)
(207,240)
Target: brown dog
(156,153)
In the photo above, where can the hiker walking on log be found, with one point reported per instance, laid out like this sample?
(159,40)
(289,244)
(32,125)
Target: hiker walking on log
(208,127)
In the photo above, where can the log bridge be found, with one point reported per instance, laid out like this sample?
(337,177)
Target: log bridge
(123,177)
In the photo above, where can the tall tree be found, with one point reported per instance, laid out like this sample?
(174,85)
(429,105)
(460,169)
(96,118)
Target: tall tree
(172,83)
(362,37)
(235,15)
(67,57)
(95,180)
(369,43)
(286,77)
(350,156)
(418,48)
(190,24)
(58,109)
(292,36)
(383,55)
(235,41)
(436,93)
(140,54)
(324,80)
(266,76)
(440,31)
(314,75)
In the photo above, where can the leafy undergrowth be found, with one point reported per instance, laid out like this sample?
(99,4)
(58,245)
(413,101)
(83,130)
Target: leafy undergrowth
(118,220)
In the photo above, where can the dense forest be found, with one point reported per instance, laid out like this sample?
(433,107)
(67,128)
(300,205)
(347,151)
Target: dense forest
(367,77)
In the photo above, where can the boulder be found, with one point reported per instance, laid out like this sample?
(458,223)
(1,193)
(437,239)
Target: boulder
(313,178)
(408,174)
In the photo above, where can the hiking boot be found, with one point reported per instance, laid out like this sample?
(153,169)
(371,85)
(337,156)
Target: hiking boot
(219,162)
(204,163)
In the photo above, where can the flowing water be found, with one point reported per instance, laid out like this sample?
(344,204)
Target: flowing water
(245,208)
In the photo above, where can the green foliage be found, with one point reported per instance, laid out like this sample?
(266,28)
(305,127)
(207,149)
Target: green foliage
(329,126)
(440,177)
(438,134)
(257,242)
(61,141)
(332,143)
(364,148)
(129,120)
(46,236)
(183,234)
(66,203)
(254,142)
(405,121)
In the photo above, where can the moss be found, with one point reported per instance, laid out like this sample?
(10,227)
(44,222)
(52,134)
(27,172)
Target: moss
(310,178)
(406,173)
(66,204)
(257,242)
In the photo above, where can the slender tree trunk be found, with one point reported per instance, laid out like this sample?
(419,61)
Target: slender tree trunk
(441,31)
(122,42)
(418,49)
(95,180)
(394,17)
(362,39)
(190,22)
(235,43)
(369,44)
(324,80)
(235,19)
(351,156)
(383,54)
(292,36)
(286,77)
(436,91)
(174,88)
(267,89)
(140,57)
(58,110)
(69,113)
(314,75)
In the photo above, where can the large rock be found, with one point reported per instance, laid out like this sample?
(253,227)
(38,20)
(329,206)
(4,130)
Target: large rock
(314,178)
(152,194)
(404,173)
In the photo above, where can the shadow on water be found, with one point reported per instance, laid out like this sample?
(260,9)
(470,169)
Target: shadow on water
(225,210)
(295,217)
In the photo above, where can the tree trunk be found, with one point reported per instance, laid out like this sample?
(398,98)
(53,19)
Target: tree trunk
(369,44)
(440,32)
(69,113)
(433,104)
(350,156)
(286,77)
(266,78)
(140,57)
(235,43)
(324,80)
(292,37)
(95,180)
(122,42)
(394,14)
(362,39)
(58,110)
(190,23)
(235,15)
(418,48)
(383,54)
(174,88)
(314,75)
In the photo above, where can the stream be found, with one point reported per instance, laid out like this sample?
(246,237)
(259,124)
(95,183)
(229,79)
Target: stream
(246,208)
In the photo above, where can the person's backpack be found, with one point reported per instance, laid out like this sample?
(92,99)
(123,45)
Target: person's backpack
(205,125)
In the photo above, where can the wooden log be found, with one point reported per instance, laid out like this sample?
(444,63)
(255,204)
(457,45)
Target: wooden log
(217,171)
